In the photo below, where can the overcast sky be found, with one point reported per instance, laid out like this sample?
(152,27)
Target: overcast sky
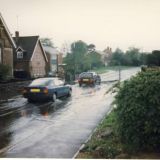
(114,23)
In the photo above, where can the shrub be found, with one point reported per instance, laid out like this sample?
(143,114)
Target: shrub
(138,111)
(4,71)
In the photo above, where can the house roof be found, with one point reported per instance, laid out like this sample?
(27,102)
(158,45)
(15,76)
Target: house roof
(7,31)
(27,44)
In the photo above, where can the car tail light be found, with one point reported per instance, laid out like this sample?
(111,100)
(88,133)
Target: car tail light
(45,90)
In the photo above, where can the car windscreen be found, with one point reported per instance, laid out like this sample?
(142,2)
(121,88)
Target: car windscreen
(85,75)
(41,82)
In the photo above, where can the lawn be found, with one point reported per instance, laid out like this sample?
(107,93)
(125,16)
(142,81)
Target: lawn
(107,68)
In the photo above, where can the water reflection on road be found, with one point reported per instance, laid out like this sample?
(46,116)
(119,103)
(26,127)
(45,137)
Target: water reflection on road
(24,125)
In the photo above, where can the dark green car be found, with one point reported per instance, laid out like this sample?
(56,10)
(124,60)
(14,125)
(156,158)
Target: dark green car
(46,89)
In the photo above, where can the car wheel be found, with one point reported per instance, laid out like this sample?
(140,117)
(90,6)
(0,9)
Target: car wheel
(69,93)
(54,97)
(98,82)
(93,84)
(30,100)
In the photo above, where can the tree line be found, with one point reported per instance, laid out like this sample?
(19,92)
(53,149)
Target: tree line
(133,57)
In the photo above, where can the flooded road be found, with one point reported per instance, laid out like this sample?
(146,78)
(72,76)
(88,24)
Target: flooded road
(54,130)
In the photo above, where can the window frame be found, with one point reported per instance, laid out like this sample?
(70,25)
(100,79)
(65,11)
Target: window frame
(19,54)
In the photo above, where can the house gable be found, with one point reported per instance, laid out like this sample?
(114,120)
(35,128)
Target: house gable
(38,61)
(6,46)
(3,27)
(39,45)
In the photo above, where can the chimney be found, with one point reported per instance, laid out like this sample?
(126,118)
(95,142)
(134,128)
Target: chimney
(17,35)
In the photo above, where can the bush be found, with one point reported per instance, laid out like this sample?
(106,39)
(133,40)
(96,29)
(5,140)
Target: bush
(138,111)
(4,71)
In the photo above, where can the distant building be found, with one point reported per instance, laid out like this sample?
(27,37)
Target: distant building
(55,58)
(107,55)
(7,45)
(66,48)
(29,57)
(52,55)
(60,58)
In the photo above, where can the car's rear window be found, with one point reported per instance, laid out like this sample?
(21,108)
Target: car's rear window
(41,82)
(85,74)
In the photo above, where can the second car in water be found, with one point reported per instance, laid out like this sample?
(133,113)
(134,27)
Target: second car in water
(89,78)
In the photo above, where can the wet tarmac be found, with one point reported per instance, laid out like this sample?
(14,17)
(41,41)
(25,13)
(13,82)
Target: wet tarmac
(54,130)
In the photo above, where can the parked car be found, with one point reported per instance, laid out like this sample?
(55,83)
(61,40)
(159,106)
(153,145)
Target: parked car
(89,78)
(46,88)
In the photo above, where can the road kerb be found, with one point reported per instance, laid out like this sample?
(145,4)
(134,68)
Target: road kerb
(82,146)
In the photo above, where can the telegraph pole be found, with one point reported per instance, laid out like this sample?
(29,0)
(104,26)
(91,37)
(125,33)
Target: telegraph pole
(119,71)
(57,63)
(74,59)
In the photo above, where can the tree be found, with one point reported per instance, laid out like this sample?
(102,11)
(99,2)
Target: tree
(77,60)
(47,42)
(107,55)
(132,57)
(79,51)
(153,59)
(94,59)
(79,47)
(117,57)
(82,58)
(91,47)
(143,58)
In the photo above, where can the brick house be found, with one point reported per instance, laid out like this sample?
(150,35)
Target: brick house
(107,55)
(7,46)
(54,58)
(29,57)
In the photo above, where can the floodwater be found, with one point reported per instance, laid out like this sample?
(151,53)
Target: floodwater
(55,130)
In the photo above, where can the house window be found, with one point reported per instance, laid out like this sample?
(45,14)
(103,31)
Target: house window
(19,54)
(0,54)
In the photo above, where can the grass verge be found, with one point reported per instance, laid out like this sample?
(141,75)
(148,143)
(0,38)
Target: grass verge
(104,143)
(107,68)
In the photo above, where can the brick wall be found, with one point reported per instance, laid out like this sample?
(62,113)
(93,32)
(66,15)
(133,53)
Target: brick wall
(38,63)
(7,50)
